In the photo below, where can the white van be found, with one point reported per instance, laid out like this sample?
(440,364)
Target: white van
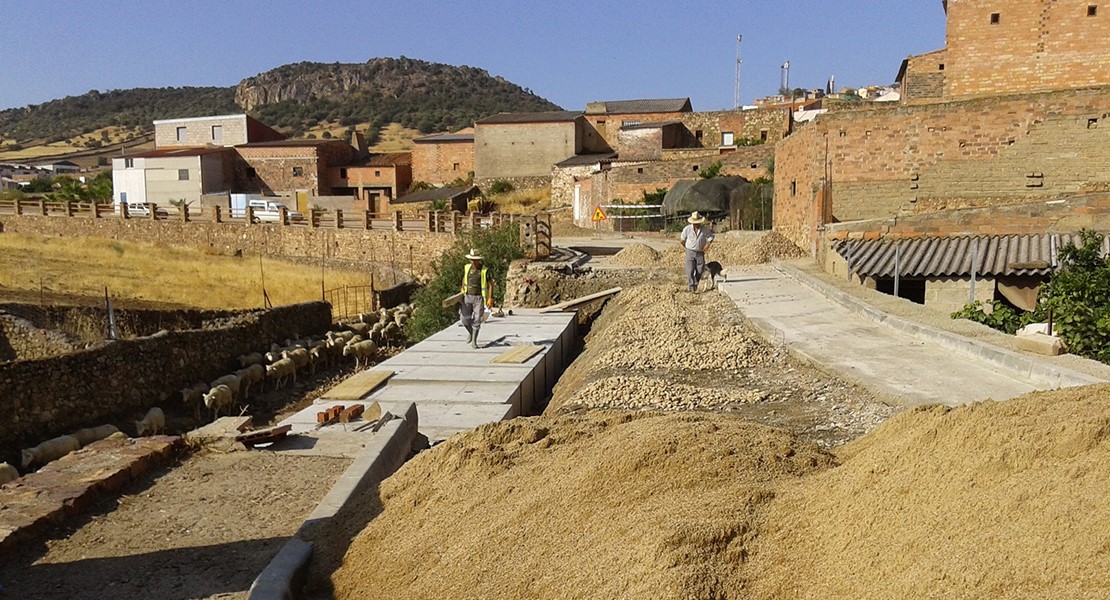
(270,211)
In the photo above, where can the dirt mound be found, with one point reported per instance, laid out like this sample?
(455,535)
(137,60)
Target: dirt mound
(602,505)
(993,500)
(636,255)
(768,245)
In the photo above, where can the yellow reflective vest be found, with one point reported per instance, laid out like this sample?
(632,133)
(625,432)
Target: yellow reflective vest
(466,277)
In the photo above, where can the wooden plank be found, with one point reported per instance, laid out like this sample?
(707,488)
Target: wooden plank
(517,355)
(262,436)
(563,306)
(358,386)
(452,300)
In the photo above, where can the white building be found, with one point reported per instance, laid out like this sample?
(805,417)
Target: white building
(171,174)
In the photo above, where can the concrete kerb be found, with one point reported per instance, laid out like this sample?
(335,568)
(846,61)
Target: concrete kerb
(1031,369)
(284,576)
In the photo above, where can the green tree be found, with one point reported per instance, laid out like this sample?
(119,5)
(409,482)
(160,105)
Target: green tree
(1079,297)
(710,172)
(500,187)
(67,189)
(99,190)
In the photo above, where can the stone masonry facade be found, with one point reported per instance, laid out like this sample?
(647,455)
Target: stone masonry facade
(906,159)
(440,163)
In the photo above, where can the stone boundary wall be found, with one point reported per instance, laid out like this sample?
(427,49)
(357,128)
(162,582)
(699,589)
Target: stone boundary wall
(117,382)
(90,323)
(21,339)
(537,182)
(358,245)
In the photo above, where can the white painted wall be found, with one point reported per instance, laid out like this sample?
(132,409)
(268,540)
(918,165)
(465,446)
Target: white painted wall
(128,180)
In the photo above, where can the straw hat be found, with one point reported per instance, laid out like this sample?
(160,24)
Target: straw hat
(695,219)
(474,255)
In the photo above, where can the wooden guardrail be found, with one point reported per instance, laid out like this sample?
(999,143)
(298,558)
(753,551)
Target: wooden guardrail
(536,229)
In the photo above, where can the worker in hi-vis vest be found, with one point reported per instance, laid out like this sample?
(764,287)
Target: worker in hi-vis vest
(477,290)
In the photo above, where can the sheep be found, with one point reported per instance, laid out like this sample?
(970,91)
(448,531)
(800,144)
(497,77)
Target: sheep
(359,328)
(51,449)
(317,355)
(218,398)
(153,422)
(231,381)
(254,358)
(299,356)
(7,473)
(91,434)
(281,370)
(251,375)
(362,351)
(194,396)
(341,337)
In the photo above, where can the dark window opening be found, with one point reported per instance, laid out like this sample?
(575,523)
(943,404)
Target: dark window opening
(695,169)
(601,121)
(755,165)
(793,188)
(910,289)
(1092,123)
(342,173)
(454,166)
(1092,10)
(940,67)
(697,134)
(298,171)
(763,135)
(183,174)
(996,18)
(128,163)
(377,173)
(640,170)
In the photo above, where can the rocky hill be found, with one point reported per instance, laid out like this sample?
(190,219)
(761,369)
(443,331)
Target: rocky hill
(296,97)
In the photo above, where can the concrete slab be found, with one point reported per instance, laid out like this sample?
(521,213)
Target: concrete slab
(459,416)
(905,368)
(469,392)
(458,358)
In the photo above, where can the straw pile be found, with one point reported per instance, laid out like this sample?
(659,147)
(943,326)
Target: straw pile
(602,505)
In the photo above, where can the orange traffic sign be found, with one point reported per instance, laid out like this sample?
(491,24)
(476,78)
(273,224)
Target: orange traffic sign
(599,215)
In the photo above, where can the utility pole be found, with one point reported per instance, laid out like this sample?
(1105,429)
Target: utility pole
(785,80)
(736,89)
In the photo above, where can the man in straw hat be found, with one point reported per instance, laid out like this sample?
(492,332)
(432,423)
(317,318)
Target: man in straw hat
(477,289)
(696,238)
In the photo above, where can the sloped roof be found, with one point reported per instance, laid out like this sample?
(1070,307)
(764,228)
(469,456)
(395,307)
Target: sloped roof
(389,159)
(631,107)
(436,194)
(651,125)
(177,152)
(290,143)
(1029,254)
(581,160)
(445,137)
(551,116)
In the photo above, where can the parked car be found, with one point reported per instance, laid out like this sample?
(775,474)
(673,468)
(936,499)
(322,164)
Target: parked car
(270,211)
(139,209)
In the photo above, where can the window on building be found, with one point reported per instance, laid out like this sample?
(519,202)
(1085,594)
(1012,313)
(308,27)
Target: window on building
(251,173)
(601,121)
(996,18)
(629,123)
(377,173)
(342,173)
(696,168)
(697,135)
(727,139)
(1092,10)
(763,135)
(181,134)
(298,171)
(639,170)
(940,67)
(454,166)
(183,174)
(793,188)
(217,133)
(129,163)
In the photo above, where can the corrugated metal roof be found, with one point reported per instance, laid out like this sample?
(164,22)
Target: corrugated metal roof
(1031,254)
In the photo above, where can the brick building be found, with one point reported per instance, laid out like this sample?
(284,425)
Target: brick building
(995,47)
(441,159)
(609,117)
(222,130)
(521,147)
(301,168)
(375,182)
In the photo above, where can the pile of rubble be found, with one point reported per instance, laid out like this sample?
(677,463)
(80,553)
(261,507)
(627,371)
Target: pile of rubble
(636,255)
(641,392)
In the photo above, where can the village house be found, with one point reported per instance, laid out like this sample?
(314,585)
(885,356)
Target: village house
(375,182)
(443,158)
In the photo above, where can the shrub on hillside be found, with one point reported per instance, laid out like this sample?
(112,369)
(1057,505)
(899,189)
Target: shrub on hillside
(500,187)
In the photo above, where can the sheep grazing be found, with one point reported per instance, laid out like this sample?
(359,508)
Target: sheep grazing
(194,396)
(281,370)
(89,435)
(51,449)
(359,328)
(7,473)
(218,398)
(231,381)
(249,376)
(153,423)
(299,356)
(254,358)
(362,351)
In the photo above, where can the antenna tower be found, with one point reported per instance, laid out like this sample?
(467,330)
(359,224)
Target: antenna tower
(736,88)
(785,83)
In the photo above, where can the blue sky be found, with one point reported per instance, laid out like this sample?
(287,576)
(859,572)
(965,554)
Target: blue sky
(568,52)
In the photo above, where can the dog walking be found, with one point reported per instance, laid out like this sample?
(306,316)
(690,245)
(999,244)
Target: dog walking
(696,239)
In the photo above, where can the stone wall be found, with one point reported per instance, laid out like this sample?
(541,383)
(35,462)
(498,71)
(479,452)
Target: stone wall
(118,382)
(356,245)
(440,163)
(538,182)
(886,160)
(924,77)
(21,339)
(563,181)
(90,323)
(1035,45)
(524,150)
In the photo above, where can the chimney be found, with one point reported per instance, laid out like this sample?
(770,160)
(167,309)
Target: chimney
(360,145)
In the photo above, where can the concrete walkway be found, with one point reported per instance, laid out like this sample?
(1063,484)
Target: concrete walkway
(905,369)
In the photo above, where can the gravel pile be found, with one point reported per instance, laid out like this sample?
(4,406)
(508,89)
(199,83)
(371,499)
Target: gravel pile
(725,250)
(639,392)
(636,255)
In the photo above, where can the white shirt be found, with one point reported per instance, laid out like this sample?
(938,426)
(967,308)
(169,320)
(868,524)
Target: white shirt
(696,241)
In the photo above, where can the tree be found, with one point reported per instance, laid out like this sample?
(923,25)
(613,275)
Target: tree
(100,188)
(1079,297)
(710,172)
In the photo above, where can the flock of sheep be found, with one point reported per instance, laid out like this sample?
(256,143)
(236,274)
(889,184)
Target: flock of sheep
(359,338)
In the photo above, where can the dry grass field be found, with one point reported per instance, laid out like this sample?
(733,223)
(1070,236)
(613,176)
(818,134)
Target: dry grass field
(114,135)
(393,137)
(523,201)
(155,273)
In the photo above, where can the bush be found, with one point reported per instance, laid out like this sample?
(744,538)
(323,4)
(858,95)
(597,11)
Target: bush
(1079,297)
(710,172)
(500,187)
(499,246)
(1001,317)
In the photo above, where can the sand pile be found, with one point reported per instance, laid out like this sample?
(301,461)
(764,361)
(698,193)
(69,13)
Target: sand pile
(658,393)
(636,255)
(995,500)
(602,505)
(768,245)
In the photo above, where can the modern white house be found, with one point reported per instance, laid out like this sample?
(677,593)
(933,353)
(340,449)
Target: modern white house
(171,174)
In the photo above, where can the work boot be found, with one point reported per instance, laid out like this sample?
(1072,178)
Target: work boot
(474,339)
(469,334)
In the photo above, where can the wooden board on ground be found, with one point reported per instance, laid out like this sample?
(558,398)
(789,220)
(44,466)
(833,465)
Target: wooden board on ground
(358,385)
(516,355)
(224,427)
(563,306)
(452,300)
(262,436)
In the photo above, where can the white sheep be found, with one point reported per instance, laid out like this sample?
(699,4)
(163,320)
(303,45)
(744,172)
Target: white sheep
(7,473)
(299,356)
(249,376)
(51,449)
(89,435)
(218,398)
(231,381)
(254,358)
(342,337)
(281,370)
(153,422)
(362,351)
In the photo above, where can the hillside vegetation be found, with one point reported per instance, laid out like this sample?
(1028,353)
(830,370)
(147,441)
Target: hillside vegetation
(295,98)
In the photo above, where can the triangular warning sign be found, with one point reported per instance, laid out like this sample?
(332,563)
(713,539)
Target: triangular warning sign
(599,215)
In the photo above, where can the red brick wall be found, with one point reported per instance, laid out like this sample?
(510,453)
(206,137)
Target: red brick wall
(439,163)
(1035,46)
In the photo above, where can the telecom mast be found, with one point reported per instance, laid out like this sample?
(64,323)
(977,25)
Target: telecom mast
(736,89)
(784,84)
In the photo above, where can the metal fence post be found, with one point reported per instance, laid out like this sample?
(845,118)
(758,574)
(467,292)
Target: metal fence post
(897,267)
(974,264)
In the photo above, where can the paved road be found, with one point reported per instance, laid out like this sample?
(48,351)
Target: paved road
(901,367)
